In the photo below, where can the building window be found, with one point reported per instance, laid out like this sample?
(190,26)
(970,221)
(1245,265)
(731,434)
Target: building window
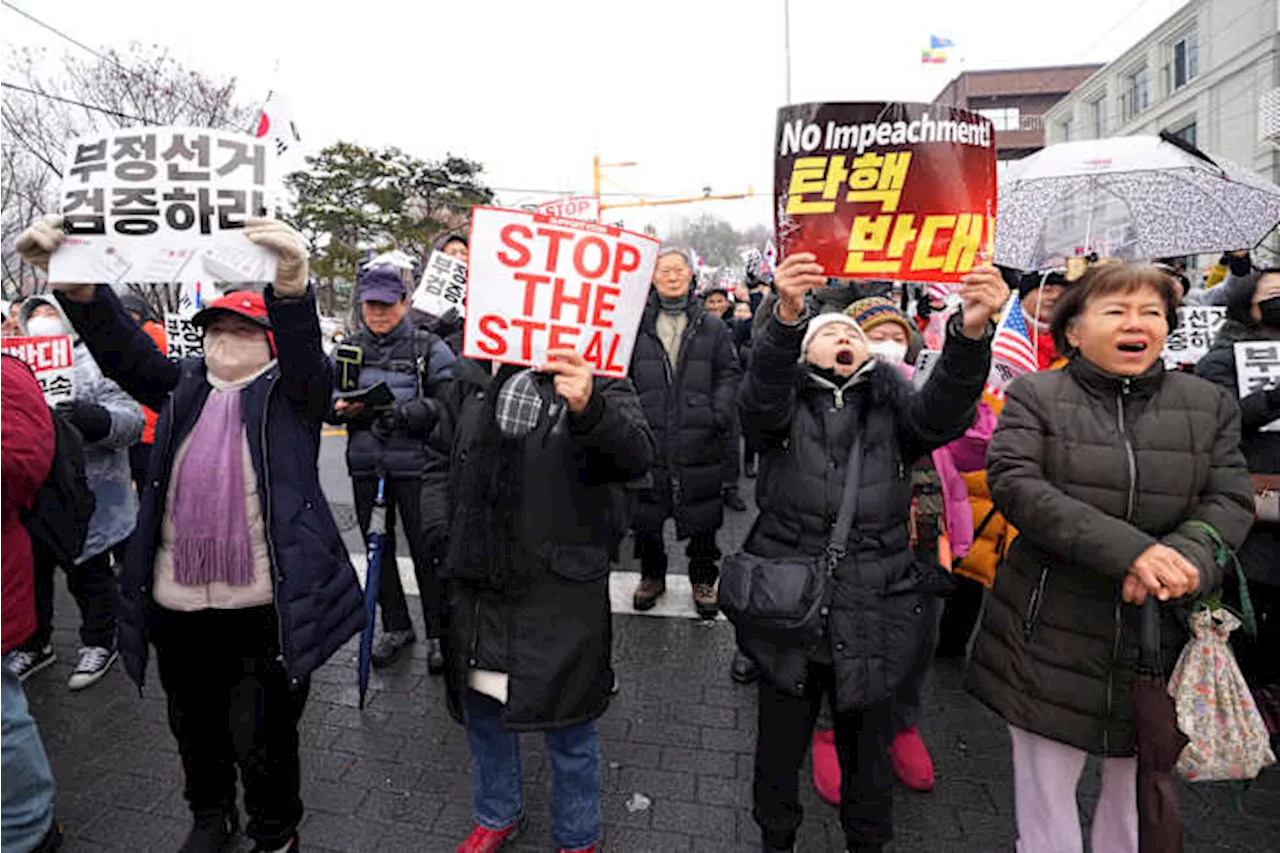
(1187,133)
(1098,113)
(1136,97)
(1003,118)
(1186,60)
(1069,130)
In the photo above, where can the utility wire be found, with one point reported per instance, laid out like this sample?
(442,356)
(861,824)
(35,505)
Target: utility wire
(73,102)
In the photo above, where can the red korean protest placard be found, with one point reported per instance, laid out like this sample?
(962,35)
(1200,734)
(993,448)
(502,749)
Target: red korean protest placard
(51,359)
(885,190)
(537,283)
(584,207)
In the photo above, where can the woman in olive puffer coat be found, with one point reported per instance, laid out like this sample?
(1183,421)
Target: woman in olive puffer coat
(1101,467)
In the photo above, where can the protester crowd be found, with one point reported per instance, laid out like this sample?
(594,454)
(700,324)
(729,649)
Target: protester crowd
(1095,488)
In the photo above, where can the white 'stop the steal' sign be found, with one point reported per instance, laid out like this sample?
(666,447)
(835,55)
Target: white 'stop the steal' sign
(537,283)
(584,207)
(164,204)
(443,287)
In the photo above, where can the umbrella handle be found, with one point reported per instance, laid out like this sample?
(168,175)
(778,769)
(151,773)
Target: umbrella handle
(1149,634)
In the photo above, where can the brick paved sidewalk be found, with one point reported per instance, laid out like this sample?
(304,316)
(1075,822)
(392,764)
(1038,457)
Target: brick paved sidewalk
(397,776)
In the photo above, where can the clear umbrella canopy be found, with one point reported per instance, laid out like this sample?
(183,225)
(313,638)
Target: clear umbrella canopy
(1131,197)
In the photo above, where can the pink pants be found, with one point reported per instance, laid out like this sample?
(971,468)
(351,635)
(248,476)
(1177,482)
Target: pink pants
(1046,774)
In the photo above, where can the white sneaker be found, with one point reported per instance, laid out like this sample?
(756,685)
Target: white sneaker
(93,664)
(25,664)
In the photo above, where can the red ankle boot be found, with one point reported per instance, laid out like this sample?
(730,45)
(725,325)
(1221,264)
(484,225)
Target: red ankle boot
(826,766)
(483,840)
(911,762)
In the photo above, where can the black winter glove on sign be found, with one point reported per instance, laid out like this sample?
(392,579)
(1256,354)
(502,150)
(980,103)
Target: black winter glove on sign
(93,421)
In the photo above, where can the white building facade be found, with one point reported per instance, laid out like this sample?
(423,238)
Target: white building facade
(1201,75)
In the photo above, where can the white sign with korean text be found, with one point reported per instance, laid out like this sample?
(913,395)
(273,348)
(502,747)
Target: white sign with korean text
(584,207)
(443,287)
(1258,369)
(1197,328)
(164,204)
(51,359)
(537,283)
(185,339)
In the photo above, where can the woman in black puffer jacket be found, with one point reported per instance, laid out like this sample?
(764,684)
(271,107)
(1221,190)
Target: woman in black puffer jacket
(1104,468)
(808,394)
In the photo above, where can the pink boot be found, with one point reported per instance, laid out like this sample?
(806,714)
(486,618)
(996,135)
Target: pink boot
(911,762)
(826,766)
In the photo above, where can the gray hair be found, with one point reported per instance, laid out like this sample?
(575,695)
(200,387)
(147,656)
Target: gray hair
(673,250)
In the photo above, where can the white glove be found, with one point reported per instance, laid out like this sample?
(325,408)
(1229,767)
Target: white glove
(38,242)
(291,253)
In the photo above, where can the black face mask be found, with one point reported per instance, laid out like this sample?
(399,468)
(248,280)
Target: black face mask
(1270,309)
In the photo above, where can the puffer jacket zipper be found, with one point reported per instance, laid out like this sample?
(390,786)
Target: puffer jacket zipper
(277,577)
(1128,517)
(1035,601)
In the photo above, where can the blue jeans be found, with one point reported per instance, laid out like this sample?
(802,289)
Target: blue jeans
(575,775)
(26,802)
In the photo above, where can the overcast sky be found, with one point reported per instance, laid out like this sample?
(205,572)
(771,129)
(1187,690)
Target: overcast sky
(688,88)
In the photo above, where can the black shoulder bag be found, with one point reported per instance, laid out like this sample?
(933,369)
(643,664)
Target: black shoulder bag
(785,595)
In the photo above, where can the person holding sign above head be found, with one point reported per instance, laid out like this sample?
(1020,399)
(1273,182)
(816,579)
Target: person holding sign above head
(238,574)
(540,461)
(405,441)
(110,422)
(839,428)
(686,374)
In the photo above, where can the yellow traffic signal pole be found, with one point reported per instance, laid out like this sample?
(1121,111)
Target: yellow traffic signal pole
(597,169)
(643,203)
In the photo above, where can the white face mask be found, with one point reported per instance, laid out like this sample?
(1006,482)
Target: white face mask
(890,352)
(232,357)
(39,327)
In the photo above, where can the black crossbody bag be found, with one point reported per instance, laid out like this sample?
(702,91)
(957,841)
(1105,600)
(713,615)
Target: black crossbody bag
(785,595)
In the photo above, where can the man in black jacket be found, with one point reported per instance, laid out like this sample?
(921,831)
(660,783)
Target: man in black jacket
(686,374)
(407,442)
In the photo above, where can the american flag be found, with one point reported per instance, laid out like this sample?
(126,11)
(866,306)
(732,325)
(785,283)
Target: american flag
(1012,353)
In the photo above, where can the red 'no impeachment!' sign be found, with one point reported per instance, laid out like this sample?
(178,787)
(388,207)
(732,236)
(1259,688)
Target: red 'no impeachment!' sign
(537,283)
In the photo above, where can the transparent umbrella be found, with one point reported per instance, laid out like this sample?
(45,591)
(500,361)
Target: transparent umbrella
(1129,197)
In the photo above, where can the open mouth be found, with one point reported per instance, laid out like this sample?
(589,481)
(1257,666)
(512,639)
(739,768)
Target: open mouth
(844,356)
(1133,347)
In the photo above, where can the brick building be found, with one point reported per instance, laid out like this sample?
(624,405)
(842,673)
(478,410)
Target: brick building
(1015,100)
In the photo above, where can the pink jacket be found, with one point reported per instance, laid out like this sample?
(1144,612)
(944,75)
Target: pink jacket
(957,514)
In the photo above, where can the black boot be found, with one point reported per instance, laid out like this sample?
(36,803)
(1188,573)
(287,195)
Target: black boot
(733,500)
(390,645)
(435,659)
(212,832)
(289,847)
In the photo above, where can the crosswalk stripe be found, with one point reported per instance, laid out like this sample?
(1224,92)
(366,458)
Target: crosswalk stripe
(677,603)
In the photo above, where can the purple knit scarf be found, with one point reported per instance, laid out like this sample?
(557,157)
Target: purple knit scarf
(211,533)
